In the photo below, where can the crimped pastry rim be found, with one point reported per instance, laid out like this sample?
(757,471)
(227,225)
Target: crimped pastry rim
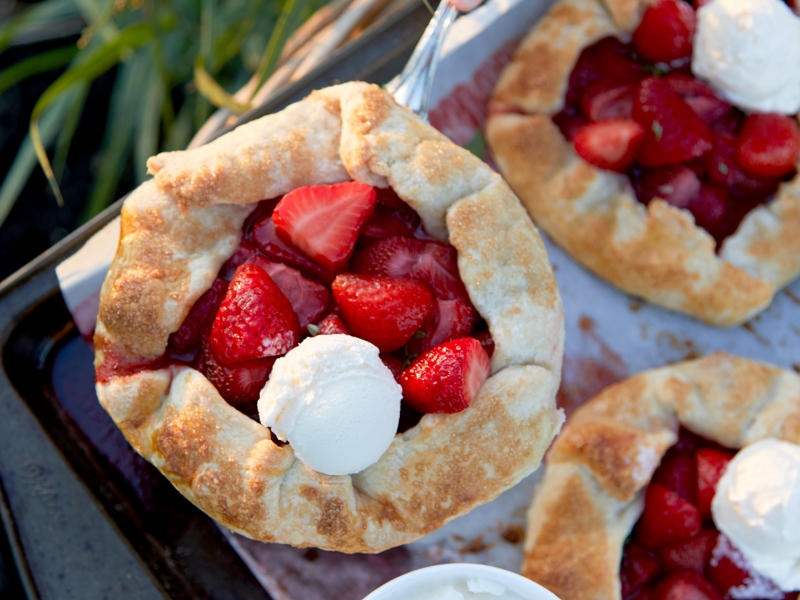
(226,463)
(607,451)
(623,243)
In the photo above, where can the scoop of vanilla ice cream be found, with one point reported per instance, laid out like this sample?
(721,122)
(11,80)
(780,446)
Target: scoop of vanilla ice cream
(749,50)
(757,505)
(334,401)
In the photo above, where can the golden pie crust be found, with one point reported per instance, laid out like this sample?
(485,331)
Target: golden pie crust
(597,470)
(179,228)
(656,251)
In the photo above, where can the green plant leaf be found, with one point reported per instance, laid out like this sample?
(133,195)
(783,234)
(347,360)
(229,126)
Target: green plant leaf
(38,63)
(38,16)
(123,114)
(213,92)
(70,124)
(102,58)
(146,142)
(25,160)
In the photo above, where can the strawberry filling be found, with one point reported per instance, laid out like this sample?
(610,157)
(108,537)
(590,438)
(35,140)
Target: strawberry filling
(637,109)
(675,551)
(334,259)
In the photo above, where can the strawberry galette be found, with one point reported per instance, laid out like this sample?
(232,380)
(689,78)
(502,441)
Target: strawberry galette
(658,145)
(645,497)
(389,306)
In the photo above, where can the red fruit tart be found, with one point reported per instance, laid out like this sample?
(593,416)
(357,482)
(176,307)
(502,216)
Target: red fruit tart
(341,222)
(657,178)
(633,503)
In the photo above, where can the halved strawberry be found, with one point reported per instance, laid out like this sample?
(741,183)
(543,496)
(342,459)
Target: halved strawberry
(604,101)
(605,60)
(711,464)
(387,221)
(388,197)
(267,240)
(639,567)
(666,31)
(667,518)
(433,263)
(255,320)
(675,184)
(244,252)
(323,221)
(678,473)
(699,96)
(394,364)
(709,207)
(728,568)
(239,383)
(385,311)
(689,555)
(686,585)
(332,324)
(309,299)
(611,145)
(569,122)
(445,379)
(768,145)
(199,319)
(674,132)
(448,320)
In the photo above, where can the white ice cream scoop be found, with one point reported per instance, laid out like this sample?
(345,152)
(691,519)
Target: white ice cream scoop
(334,401)
(757,505)
(749,50)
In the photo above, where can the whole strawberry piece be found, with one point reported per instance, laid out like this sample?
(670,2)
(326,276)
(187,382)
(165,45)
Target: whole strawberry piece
(611,145)
(385,311)
(674,132)
(768,145)
(255,320)
(239,383)
(666,31)
(199,319)
(446,378)
(324,220)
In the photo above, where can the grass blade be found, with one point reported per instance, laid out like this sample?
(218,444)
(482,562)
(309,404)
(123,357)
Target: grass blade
(37,16)
(85,70)
(146,142)
(213,92)
(68,128)
(39,63)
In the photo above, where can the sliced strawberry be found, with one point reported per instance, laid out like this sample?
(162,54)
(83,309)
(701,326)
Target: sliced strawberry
(255,320)
(639,567)
(446,378)
(605,101)
(666,31)
(699,96)
(605,60)
(309,299)
(332,324)
(199,319)
(485,338)
(768,145)
(689,555)
(678,473)
(674,132)
(611,145)
(323,221)
(394,364)
(433,263)
(569,122)
(711,465)
(709,207)
(728,569)
(274,248)
(686,585)
(448,320)
(387,221)
(675,184)
(667,518)
(385,311)
(239,383)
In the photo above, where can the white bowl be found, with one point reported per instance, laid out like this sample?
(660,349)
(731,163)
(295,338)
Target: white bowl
(430,578)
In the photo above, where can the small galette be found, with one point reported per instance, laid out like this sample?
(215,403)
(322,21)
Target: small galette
(331,327)
(657,142)
(678,483)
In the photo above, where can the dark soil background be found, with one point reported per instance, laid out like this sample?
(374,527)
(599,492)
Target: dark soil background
(37,222)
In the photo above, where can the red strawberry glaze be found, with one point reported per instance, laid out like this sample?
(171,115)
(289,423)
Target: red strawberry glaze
(699,152)
(676,552)
(400,290)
